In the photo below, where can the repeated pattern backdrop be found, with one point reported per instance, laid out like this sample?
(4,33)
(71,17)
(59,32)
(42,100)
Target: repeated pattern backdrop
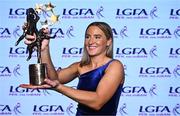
(146,40)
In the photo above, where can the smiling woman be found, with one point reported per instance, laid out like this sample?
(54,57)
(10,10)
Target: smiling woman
(100,76)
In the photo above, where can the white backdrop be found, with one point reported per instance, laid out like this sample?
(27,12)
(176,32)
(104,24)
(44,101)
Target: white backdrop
(146,38)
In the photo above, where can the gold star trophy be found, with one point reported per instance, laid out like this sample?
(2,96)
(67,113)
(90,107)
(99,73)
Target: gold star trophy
(37,72)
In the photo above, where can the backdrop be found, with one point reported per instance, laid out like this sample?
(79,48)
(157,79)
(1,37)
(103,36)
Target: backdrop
(146,40)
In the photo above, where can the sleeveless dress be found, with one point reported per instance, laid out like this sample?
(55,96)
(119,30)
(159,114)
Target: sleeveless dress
(89,81)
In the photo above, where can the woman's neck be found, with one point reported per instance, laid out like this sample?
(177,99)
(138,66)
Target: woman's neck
(98,61)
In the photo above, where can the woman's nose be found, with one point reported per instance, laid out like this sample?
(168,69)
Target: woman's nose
(91,40)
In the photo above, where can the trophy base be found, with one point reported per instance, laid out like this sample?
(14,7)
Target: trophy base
(37,73)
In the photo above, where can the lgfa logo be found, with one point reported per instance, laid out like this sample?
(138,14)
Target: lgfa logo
(82,13)
(134,91)
(123,110)
(162,110)
(136,52)
(159,71)
(6,109)
(8,71)
(61,33)
(122,33)
(48,110)
(174,14)
(7,33)
(18,91)
(174,91)
(21,52)
(174,52)
(159,33)
(155,72)
(139,91)
(138,13)
(71,52)
(153,33)
(17,13)
(152,109)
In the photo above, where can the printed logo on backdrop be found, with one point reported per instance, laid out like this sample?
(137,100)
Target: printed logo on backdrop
(6,109)
(17,13)
(18,91)
(123,110)
(163,110)
(15,32)
(72,13)
(48,110)
(159,72)
(136,13)
(174,14)
(176,110)
(20,13)
(177,32)
(176,71)
(9,71)
(82,13)
(54,109)
(134,91)
(4,33)
(174,91)
(136,52)
(63,33)
(20,52)
(174,53)
(159,33)
(9,33)
(71,110)
(120,34)
(73,52)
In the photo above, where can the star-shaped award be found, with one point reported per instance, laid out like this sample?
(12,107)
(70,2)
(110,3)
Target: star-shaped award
(54,18)
(38,8)
(49,7)
(48,13)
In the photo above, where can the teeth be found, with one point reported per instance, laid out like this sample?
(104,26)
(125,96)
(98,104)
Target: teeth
(92,46)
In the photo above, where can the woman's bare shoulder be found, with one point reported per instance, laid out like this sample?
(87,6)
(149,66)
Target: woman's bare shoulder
(116,64)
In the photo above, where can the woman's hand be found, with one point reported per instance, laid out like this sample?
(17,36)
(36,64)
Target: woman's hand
(29,39)
(49,84)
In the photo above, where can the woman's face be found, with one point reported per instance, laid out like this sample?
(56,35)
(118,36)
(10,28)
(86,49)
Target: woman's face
(96,42)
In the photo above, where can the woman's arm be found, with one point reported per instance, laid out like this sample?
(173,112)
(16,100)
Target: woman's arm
(63,75)
(114,76)
(46,58)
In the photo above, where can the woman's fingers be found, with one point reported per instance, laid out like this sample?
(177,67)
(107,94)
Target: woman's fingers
(44,44)
(51,83)
(27,42)
(30,39)
(48,84)
(44,86)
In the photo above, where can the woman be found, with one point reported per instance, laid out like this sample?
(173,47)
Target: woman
(100,76)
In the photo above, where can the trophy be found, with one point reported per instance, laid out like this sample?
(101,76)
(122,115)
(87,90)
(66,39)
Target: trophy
(37,72)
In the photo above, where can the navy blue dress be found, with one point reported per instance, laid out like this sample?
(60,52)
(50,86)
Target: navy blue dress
(89,81)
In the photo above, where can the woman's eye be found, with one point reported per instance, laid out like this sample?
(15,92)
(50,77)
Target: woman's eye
(87,37)
(97,37)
